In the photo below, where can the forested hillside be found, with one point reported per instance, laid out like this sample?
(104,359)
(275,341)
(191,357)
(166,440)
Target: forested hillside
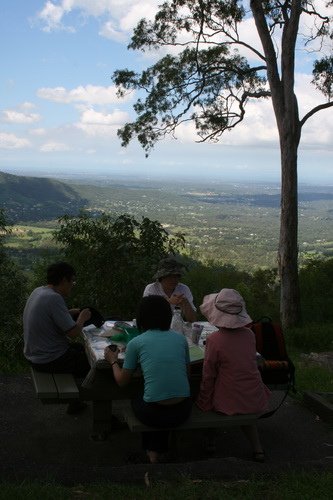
(233,223)
(35,198)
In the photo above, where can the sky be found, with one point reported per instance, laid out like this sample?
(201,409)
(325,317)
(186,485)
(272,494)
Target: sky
(59,112)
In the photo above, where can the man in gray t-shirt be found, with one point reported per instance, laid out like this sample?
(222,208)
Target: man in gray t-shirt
(49,325)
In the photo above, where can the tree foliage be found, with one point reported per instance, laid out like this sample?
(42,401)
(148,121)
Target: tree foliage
(208,81)
(13,286)
(4,228)
(114,258)
(323,76)
(260,289)
(316,278)
(210,72)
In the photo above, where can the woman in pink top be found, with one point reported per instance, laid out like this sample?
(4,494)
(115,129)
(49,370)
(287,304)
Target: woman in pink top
(231,382)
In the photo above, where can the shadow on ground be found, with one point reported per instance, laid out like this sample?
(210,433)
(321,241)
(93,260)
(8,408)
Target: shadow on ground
(43,442)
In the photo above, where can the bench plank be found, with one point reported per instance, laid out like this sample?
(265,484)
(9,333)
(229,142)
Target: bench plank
(54,387)
(44,384)
(198,420)
(66,386)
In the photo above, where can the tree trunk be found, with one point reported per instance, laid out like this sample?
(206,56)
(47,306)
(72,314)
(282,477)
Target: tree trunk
(286,113)
(290,309)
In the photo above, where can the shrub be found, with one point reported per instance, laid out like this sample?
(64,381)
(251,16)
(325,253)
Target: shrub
(315,336)
(260,290)
(114,259)
(316,278)
(14,284)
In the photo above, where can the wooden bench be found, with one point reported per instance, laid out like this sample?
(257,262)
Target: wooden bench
(54,387)
(198,419)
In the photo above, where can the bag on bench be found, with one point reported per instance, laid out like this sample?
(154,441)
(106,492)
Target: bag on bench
(276,367)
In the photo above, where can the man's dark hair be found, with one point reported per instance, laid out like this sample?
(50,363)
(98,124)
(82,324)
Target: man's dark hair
(154,313)
(57,271)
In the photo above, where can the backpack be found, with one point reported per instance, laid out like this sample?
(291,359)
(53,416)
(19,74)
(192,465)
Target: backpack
(276,368)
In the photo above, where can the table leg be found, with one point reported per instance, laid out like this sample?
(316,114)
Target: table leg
(102,413)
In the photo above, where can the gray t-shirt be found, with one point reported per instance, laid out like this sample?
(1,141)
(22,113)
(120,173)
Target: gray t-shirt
(46,320)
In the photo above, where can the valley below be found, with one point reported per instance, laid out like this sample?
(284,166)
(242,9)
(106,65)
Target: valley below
(231,223)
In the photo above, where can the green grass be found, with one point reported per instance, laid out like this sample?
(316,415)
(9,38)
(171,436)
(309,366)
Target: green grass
(23,236)
(293,486)
(13,366)
(311,337)
(311,377)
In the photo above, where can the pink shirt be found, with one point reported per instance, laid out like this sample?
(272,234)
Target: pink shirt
(231,382)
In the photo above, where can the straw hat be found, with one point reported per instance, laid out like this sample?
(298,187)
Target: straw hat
(167,267)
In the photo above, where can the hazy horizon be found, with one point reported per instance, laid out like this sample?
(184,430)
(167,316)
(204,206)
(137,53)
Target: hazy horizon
(105,175)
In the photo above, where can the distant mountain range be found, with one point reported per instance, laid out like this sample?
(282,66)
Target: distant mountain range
(35,198)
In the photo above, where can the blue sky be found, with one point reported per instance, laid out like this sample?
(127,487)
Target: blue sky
(59,111)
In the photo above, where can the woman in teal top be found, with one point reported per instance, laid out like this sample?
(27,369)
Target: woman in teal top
(163,356)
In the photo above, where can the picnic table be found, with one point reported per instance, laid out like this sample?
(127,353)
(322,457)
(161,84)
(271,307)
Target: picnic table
(100,387)
(110,401)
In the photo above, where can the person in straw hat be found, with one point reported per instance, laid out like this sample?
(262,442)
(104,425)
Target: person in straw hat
(167,284)
(231,382)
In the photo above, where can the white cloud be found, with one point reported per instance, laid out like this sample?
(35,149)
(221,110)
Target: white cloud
(93,117)
(54,147)
(27,105)
(248,33)
(109,30)
(11,141)
(308,95)
(12,116)
(89,94)
(138,11)
(94,123)
(122,15)
(318,129)
(51,17)
(37,131)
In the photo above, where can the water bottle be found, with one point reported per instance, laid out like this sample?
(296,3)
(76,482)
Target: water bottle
(196,332)
(177,323)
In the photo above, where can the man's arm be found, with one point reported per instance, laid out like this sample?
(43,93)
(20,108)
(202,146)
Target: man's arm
(84,315)
(187,311)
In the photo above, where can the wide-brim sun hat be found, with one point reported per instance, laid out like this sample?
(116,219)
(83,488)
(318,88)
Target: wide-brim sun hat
(169,266)
(225,309)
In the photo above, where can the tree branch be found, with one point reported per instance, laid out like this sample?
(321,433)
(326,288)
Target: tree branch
(315,110)
(266,40)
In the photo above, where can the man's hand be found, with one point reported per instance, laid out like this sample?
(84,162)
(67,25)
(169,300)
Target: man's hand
(177,299)
(74,312)
(84,315)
